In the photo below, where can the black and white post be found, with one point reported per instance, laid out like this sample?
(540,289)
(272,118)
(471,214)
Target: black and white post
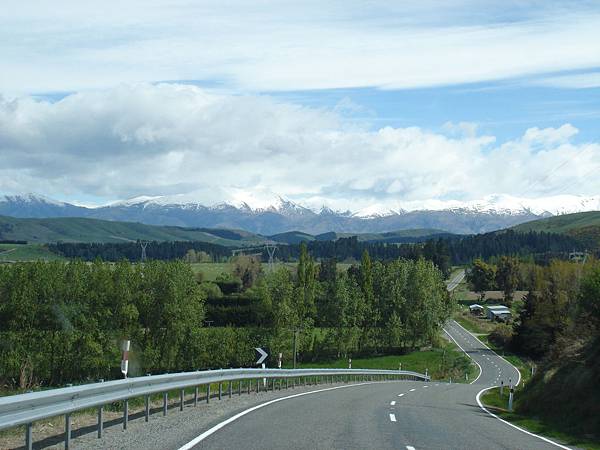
(125,359)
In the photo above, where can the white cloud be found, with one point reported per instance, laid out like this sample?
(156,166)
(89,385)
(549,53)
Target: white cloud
(169,139)
(287,45)
(572,81)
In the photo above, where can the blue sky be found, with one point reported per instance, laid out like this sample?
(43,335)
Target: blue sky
(440,91)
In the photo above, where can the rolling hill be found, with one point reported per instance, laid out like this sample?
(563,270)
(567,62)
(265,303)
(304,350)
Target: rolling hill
(584,226)
(73,229)
(76,229)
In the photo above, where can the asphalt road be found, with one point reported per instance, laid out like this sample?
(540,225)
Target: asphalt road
(401,414)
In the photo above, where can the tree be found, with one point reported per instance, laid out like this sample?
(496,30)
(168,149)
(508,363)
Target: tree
(482,277)
(246,268)
(306,288)
(507,277)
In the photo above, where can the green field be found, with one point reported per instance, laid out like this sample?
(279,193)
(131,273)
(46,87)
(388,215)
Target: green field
(499,404)
(27,252)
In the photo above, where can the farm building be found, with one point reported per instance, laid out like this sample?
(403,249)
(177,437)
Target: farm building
(498,312)
(476,309)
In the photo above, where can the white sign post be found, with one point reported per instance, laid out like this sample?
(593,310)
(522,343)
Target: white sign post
(262,356)
(125,345)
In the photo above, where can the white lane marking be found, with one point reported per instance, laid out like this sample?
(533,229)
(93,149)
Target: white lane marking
(473,359)
(400,395)
(412,390)
(425,387)
(220,425)
(492,351)
(392,403)
(393,417)
(512,425)
(408,447)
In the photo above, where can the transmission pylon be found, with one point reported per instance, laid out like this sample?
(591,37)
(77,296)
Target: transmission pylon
(271,249)
(143,244)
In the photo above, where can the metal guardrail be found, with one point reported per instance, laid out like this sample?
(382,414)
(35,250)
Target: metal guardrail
(24,409)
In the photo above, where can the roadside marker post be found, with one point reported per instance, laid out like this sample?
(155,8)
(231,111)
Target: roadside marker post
(349,363)
(125,345)
(502,388)
(510,399)
(279,360)
(262,356)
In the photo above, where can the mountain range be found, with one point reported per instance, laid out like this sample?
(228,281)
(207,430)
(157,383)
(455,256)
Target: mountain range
(282,215)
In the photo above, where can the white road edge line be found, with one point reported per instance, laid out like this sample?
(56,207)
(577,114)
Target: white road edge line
(472,359)
(220,425)
(393,417)
(512,425)
(507,362)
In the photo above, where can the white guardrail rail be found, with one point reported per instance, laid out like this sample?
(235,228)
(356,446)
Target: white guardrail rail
(25,409)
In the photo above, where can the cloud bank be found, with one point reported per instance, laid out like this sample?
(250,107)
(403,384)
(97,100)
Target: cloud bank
(169,139)
(290,45)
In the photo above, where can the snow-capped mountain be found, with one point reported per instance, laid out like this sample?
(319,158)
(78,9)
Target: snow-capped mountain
(269,214)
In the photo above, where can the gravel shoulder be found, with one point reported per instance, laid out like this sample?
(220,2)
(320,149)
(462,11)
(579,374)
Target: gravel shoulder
(160,433)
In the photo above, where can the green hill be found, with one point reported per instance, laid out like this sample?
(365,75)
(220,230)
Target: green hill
(292,237)
(94,230)
(400,236)
(583,226)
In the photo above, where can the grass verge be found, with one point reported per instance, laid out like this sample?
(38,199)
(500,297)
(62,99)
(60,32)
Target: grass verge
(499,404)
(441,363)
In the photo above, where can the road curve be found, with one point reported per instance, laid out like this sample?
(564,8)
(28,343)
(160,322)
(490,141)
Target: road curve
(401,414)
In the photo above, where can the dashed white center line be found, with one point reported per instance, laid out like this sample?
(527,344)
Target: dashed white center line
(412,390)
(408,447)
(425,387)
(393,417)
(392,403)
(400,395)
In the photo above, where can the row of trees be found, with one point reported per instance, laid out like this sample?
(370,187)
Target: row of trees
(63,322)
(131,251)
(375,306)
(504,276)
(443,250)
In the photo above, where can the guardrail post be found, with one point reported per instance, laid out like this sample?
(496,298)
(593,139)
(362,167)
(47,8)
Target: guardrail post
(165,403)
(100,421)
(249,385)
(287,383)
(196,396)
(147,408)
(220,390)
(240,387)
(230,387)
(125,413)
(67,431)
(257,386)
(29,436)
(208,393)
(181,399)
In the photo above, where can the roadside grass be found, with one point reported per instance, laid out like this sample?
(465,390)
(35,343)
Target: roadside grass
(441,363)
(499,404)
(474,324)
